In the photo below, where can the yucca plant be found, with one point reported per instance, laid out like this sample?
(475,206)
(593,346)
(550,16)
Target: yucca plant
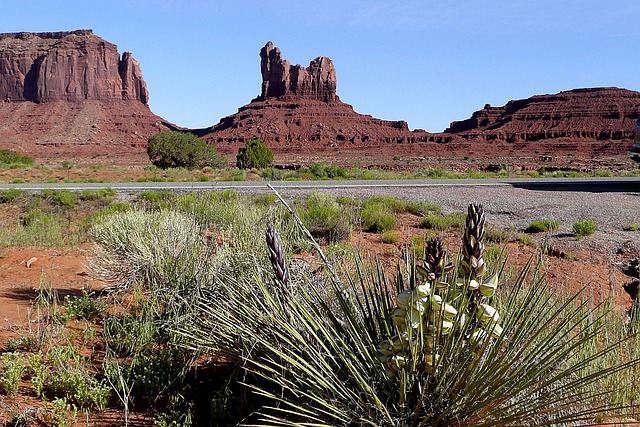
(426,348)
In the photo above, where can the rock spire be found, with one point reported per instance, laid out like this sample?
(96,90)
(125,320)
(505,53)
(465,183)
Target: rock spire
(282,80)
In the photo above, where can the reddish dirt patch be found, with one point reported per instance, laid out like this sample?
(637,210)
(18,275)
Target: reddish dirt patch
(25,270)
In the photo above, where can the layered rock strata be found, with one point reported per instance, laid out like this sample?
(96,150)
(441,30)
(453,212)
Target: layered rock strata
(67,66)
(592,114)
(298,110)
(280,79)
(72,92)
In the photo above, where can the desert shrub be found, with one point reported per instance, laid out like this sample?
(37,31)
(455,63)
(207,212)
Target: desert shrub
(389,237)
(254,155)
(110,209)
(584,228)
(12,158)
(12,370)
(266,199)
(325,217)
(40,229)
(437,344)
(59,413)
(377,217)
(9,195)
(172,149)
(78,386)
(157,372)
(164,247)
(543,225)
(272,173)
(442,222)
(163,199)
(631,227)
(64,198)
(324,171)
(107,194)
(86,307)
(378,213)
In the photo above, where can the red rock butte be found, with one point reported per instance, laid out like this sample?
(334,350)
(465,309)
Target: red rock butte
(71,92)
(299,112)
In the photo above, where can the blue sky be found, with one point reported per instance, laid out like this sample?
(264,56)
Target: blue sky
(427,62)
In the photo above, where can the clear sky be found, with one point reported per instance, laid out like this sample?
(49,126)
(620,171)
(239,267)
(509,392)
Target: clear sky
(427,62)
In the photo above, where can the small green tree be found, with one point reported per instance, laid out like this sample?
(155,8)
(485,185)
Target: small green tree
(171,149)
(255,154)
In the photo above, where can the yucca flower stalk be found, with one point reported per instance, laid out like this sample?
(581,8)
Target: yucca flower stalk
(341,358)
(472,263)
(277,258)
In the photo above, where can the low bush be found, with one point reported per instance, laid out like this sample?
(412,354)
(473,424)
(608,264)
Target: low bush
(106,194)
(326,218)
(254,155)
(172,149)
(157,199)
(584,228)
(12,371)
(377,218)
(86,307)
(389,237)
(324,171)
(8,196)
(378,212)
(64,198)
(442,222)
(12,158)
(543,225)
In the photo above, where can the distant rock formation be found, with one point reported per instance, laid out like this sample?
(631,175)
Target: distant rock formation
(71,92)
(67,66)
(280,79)
(298,110)
(592,114)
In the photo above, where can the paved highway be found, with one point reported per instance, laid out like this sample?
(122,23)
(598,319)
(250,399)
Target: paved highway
(612,203)
(598,185)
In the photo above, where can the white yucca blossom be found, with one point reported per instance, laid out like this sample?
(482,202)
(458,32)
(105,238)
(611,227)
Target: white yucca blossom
(487,314)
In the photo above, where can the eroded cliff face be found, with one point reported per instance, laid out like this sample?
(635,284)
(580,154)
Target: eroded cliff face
(280,79)
(298,110)
(590,114)
(72,93)
(67,66)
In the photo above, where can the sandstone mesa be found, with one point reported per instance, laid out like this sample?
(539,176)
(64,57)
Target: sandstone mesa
(72,93)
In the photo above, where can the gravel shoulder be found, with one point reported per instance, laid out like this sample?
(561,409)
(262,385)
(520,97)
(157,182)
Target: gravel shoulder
(516,207)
